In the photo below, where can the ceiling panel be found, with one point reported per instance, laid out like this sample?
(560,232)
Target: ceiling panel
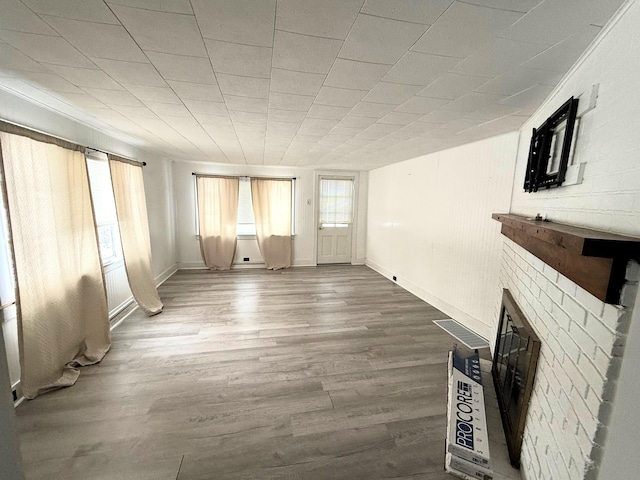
(380,40)
(183,68)
(464,28)
(162,31)
(239,21)
(303,53)
(328,19)
(236,59)
(336,84)
(415,11)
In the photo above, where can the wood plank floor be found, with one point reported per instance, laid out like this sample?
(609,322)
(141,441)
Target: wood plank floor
(304,373)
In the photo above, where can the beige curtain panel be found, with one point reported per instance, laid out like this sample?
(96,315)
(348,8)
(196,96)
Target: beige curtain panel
(62,304)
(217,219)
(131,208)
(272,212)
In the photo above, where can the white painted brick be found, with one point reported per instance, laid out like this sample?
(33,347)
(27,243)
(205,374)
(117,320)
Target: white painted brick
(582,339)
(632,273)
(591,375)
(588,420)
(570,347)
(575,376)
(550,273)
(574,309)
(545,300)
(567,285)
(602,362)
(561,317)
(628,294)
(602,334)
(554,293)
(591,303)
(613,315)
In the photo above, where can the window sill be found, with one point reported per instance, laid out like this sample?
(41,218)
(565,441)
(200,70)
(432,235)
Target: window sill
(113,264)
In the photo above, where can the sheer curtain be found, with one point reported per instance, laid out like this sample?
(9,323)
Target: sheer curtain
(272,211)
(131,208)
(62,305)
(217,219)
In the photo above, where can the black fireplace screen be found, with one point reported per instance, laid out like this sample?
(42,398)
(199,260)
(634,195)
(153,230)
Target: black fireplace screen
(514,366)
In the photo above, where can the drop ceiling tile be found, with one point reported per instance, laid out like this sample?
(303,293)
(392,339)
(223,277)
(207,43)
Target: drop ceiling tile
(464,28)
(380,40)
(206,108)
(17,17)
(355,75)
(172,109)
(376,110)
(131,72)
(196,91)
(248,118)
(378,130)
(416,11)
(530,98)
(153,94)
(82,100)
(218,121)
(422,105)
(236,59)
(350,121)
(113,97)
(172,6)
(499,56)
(339,97)
(395,93)
(561,56)
(473,101)
(303,53)
(553,20)
(416,68)
(441,116)
(162,31)
(50,81)
(452,85)
(286,115)
(98,39)
(243,86)
(274,127)
(87,10)
(519,79)
(13,60)
(240,21)
(399,118)
(285,101)
(137,112)
(86,77)
(183,68)
(46,49)
(246,104)
(492,112)
(329,18)
(327,112)
(299,83)
(519,6)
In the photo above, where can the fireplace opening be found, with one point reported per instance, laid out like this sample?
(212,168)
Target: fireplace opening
(513,370)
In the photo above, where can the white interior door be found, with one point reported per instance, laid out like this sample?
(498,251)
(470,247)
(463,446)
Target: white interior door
(335,219)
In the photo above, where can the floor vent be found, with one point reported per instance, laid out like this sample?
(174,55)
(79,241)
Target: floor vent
(462,334)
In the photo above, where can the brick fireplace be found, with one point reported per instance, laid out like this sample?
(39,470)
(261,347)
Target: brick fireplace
(583,340)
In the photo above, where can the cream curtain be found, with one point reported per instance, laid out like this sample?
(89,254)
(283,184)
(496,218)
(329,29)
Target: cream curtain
(131,208)
(62,305)
(272,212)
(218,219)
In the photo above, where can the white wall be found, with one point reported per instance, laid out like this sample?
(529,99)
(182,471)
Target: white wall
(304,244)
(429,223)
(607,199)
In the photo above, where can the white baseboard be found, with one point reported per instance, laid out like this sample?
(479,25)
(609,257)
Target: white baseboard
(453,312)
(164,276)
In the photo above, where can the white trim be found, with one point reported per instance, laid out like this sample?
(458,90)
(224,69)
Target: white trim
(164,276)
(453,312)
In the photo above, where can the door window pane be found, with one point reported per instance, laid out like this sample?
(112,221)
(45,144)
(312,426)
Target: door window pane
(336,202)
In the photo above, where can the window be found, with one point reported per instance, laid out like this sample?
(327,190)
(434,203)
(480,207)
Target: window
(246,222)
(336,202)
(105,210)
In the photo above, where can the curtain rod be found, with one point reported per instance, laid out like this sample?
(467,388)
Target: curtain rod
(243,176)
(48,138)
(144,164)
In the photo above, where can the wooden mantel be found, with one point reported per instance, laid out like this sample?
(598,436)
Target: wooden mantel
(592,259)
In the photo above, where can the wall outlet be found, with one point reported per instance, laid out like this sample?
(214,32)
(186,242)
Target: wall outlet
(245,259)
